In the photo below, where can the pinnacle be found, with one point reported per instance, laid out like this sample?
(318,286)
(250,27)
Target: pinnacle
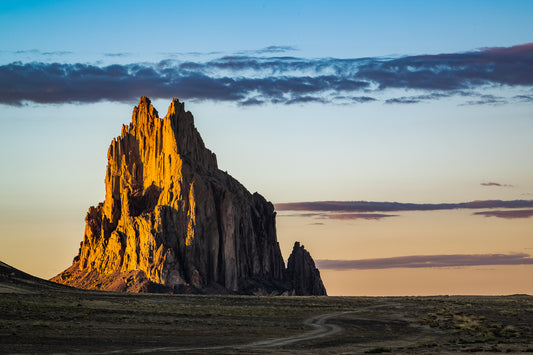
(145,105)
(144,115)
(175,106)
(144,101)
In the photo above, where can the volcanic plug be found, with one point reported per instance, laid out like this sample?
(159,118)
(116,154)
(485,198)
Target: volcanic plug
(172,221)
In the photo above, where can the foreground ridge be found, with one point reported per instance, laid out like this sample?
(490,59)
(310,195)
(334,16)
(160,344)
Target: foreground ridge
(172,221)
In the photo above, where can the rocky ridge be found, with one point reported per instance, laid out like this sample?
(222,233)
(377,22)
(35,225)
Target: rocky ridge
(172,221)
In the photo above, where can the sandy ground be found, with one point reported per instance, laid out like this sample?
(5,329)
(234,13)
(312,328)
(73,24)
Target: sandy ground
(40,317)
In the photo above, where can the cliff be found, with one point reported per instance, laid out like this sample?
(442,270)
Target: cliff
(172,221)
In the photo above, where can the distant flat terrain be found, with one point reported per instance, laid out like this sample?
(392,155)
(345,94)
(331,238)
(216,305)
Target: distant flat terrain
(37,316)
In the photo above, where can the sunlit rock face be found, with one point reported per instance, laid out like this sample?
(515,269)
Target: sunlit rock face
(172,221)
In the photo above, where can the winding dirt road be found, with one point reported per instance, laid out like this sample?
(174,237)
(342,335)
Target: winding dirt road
(322,329)
(319,323)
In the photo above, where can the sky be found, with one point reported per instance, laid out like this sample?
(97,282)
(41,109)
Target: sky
(418,102)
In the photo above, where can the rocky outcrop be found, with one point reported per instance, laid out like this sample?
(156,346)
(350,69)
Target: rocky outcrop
(172,221)
(302,273)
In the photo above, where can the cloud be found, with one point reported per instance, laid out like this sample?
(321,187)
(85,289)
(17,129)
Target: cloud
(125,54)
(507,214)
(487,100)
(57,53)
(196,54)
(427,261)
(504,66)
(339,216)
(426,97)
(255,79)
(45,53)
(274,49)
(305,99)
(311,215)
(372,216)
(402,100)
(361,99)
(368,206)
(58,83)
(497,184)
(252,102)
(523,98)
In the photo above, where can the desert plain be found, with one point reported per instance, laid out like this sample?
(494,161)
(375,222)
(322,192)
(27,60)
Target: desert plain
(37,316)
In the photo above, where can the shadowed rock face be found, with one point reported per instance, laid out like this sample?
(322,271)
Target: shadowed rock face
(302,273)
(172,221)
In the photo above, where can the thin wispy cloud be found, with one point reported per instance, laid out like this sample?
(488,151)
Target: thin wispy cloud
(495,184)
(257,78)
(340,216)
(403,100)
(369,206)
(427,261)
(487,100)
(368,216)
(507,214)
(270,50)
(44,53)
(118,54)
(523,98)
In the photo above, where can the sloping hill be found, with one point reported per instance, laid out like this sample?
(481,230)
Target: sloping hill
(13,280)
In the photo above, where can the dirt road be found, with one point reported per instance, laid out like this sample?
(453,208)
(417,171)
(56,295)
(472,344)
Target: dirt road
(322,329)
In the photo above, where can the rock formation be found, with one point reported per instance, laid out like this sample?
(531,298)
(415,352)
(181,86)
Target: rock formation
(172,221)
(302,274)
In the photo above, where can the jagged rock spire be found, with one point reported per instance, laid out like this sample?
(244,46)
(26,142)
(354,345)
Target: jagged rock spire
(302,273)
(171,220)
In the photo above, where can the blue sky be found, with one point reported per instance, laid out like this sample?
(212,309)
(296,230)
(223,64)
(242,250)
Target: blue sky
(410,101)
(342,29)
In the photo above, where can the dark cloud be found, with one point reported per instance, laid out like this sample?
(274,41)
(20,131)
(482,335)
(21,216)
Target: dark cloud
(506,66)
(496,184)
(253,79)
(305,99)
(427,261)
(402,100)
(57,83)
(368,206)
(361,99)
(487,100)
(426,97)
(507,214)
(523,98)
(348,216)
(340,216)
(312,215)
